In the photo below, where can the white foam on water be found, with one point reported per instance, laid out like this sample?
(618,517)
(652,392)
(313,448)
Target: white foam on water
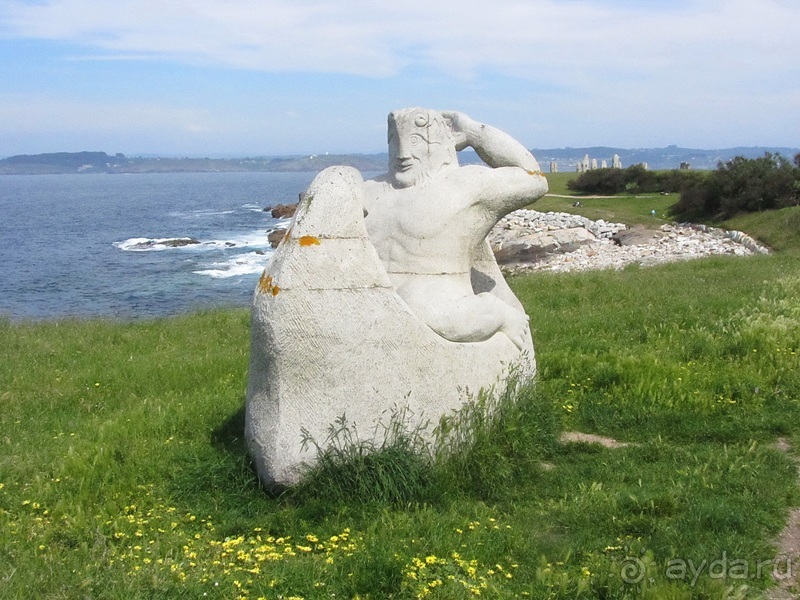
(254,239)
(242,264)
(155,244)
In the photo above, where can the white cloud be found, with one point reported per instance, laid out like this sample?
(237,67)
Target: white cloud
(531,38)
(598,71)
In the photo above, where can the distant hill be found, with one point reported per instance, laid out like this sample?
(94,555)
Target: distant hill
(60,162)
(566,159)
(100,162)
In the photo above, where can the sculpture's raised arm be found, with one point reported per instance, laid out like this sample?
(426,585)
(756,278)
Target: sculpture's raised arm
(496,148)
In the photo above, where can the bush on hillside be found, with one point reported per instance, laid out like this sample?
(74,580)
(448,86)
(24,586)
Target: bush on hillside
(607,182)
(635,180)
(742,185)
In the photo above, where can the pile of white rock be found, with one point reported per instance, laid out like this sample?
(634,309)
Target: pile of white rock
(527,240)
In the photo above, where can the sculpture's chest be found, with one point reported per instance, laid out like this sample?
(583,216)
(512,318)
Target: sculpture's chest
(410,214)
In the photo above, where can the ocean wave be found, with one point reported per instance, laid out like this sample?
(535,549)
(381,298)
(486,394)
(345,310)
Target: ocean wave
(255,239)
(242,264)
(156,244)
(200,213)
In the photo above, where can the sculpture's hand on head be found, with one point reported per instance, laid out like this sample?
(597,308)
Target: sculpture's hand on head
(462,126)
(496,148)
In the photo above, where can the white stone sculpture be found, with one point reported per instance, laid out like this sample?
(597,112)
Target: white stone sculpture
(384,296)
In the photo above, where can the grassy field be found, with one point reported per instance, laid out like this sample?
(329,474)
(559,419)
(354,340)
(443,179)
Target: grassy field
(123,473)
(779,229)
(633,210)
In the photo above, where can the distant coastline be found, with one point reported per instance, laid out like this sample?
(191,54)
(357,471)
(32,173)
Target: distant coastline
(565,160)
(99,162)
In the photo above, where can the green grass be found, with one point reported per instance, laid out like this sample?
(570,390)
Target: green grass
(779,229)
(632,210)
(557,182)
(123,473)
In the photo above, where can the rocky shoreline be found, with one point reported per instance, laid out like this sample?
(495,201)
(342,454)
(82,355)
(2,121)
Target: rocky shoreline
(528,240)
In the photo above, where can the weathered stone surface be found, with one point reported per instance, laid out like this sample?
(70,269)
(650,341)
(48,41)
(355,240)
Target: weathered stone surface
(637,236)
(396,313)
(535,246)
(331,337)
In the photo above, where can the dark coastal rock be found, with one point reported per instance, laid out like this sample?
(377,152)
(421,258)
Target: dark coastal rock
(282,211)
(171,243)
(275,236)
(179,242)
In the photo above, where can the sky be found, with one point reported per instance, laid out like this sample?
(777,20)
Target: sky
(283,77)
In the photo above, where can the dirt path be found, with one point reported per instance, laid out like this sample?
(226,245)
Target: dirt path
(787,559)
(786,566)
(590,438)
(590,197)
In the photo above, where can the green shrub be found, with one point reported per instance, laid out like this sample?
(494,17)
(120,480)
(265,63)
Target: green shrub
(742,185)
(635,180)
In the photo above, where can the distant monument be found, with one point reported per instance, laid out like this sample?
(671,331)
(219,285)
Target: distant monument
(553,167)
(384,297)
(590,164)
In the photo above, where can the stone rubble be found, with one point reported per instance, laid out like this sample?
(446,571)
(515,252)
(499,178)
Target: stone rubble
(528,240)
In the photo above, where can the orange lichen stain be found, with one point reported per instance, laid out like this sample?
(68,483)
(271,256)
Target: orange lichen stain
(539,173)
(309,240)
(266,286)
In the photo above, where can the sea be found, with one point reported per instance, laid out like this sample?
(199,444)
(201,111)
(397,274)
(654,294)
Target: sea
(104,245)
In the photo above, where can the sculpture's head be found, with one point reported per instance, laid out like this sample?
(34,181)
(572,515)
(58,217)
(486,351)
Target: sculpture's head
(420,143)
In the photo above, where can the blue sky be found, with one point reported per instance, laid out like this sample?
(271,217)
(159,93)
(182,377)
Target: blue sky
(270,77)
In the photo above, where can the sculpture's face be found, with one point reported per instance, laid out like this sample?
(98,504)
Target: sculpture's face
(420,143)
